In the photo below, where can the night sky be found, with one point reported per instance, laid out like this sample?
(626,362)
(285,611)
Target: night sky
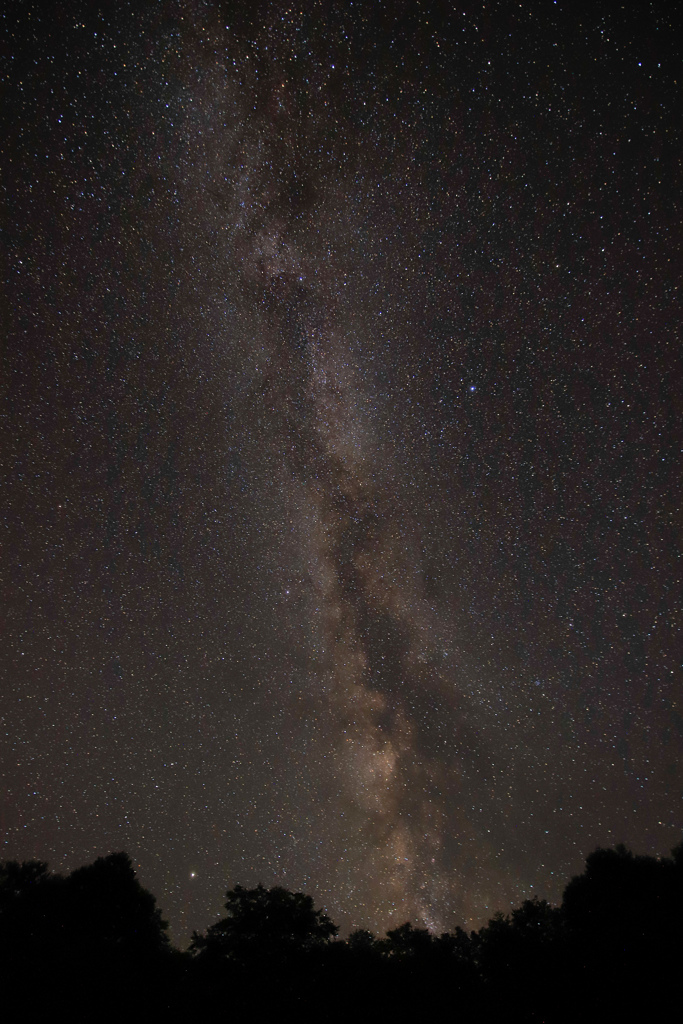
(340,447)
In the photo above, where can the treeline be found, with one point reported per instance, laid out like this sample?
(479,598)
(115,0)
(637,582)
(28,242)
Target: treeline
(94,945)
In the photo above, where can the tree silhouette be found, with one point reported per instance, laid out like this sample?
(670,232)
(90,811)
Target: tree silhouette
(364,942)
(18,880)
(30,919)
(519,955)
(110,913)
(96,941)
(624,919)
(265,923)
(409,941)
(94,938)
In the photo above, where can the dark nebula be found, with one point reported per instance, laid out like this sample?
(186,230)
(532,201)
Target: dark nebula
(340,446)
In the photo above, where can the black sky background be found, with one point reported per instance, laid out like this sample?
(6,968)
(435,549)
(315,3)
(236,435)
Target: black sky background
(340,447)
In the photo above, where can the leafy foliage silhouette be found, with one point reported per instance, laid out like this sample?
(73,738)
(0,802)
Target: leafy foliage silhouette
(611,951)
(264,922)
(93,931)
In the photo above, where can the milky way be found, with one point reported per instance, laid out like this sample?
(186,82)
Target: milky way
(341,448)
(369,629)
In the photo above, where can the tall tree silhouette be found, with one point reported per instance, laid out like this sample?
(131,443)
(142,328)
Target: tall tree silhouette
(624,919)
(110,913)
(94,938)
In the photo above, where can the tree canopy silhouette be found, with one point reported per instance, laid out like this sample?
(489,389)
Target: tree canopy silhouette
(96,937)
(266,923)
(95,933)
(110,911)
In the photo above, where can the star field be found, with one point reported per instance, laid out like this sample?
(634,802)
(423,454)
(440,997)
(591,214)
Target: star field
(340,448)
